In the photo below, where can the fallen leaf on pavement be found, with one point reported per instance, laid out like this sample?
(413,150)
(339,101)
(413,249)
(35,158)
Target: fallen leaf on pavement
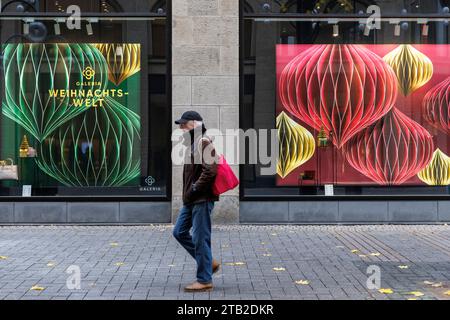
(428,282)
(114,244)
(437,285)
(37,288)
(279,269)
(354,251)
(50,264)
(416,293)
(235,263)
(3,257)
(302,282)
(119,264)
(375,254)
(403,267)
(447,293)
(267,254)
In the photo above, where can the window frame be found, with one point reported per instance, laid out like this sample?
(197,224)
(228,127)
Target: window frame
(289,16)
(122,198)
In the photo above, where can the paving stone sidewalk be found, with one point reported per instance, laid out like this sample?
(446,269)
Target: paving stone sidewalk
(258,262)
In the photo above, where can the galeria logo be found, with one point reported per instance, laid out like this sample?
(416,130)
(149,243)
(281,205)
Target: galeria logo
(150,180)
(88,73)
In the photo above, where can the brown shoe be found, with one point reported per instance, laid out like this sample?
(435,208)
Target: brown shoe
(199,287)
(215,266)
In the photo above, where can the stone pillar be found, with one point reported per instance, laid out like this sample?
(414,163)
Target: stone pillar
(205,70)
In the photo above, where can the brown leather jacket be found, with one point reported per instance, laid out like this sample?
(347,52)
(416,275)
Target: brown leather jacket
(199,176)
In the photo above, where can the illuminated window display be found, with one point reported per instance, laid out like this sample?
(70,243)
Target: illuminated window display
(367,113)
(78,108)
(383,108)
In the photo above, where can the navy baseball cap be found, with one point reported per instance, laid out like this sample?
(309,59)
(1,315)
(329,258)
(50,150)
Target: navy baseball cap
(187,116)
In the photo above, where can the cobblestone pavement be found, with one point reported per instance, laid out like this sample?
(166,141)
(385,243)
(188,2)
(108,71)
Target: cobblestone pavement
(258,262)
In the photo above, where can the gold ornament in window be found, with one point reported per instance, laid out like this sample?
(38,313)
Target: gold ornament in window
(412,67)
(296,145)
(123,60)
(437,172)
(24,146)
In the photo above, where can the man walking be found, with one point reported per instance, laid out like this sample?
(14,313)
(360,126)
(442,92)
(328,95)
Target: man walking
(199,173)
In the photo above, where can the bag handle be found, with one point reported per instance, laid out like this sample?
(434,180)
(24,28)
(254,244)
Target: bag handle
(3,162)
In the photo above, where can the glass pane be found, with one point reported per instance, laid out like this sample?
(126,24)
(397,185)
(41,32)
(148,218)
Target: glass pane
(342,6)
(89,6)
(84,112)
(106,6)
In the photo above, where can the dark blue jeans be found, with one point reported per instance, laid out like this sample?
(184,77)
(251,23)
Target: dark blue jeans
(197,216)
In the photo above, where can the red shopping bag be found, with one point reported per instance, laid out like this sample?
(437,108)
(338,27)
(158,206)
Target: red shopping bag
(225,179)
